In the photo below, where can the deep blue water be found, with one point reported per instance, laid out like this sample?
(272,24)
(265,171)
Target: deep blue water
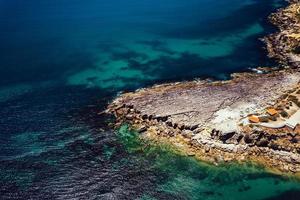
(62,61)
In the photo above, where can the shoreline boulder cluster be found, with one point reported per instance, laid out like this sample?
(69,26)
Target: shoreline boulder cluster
(208,120)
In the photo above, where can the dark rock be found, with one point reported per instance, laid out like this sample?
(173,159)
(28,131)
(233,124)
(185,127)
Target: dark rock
(264,119)
(262,143)
(171,133)
(291,134)
(142,129)
(161,119)
(274,146)
(272,137)
(294,140)
(130,106)
(213,133)
(236,139)
(158,119)
(225,136)
(194,127)
(175,125)
(248,139)
(217,133)
(257,135)
(253,137)
(239,137)
(169,123)
(181,126)
(165,118)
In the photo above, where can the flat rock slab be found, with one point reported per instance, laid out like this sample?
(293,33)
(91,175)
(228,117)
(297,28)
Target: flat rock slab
(219,105)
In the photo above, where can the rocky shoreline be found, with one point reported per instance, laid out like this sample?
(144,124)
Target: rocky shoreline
(284,44)
(210,120)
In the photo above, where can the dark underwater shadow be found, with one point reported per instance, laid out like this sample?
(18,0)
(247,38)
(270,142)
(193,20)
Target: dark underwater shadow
(236,21)
(288,195)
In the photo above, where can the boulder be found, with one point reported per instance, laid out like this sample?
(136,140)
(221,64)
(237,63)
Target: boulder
(248,139)
(181,126)
(226,135)
(175,125)
(194,127)
(169,123)
(165,118)
(262,143)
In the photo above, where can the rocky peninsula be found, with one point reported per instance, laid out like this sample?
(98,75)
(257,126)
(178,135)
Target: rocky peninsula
(252,117)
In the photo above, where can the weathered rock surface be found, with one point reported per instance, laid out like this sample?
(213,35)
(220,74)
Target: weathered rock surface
(205,118)
(217,105)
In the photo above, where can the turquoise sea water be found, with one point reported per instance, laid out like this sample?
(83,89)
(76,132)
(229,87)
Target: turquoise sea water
(62,61)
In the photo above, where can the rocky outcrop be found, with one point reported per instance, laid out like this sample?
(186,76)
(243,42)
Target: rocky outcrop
(284,45)
(162,111)
(206,119)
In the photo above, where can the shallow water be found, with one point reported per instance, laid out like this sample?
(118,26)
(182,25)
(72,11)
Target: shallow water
(61,63)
